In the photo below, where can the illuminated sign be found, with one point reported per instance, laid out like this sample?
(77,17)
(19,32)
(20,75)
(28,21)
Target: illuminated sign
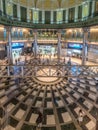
(17,45)
(75,46)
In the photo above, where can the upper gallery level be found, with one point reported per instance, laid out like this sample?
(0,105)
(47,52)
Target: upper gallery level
(48,35)
(55,13)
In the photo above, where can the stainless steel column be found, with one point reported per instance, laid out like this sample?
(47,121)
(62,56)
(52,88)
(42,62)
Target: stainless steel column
(35,44)
(59,45)
(86,31)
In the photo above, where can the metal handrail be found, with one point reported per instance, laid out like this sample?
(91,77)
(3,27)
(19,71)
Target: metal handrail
(61,70)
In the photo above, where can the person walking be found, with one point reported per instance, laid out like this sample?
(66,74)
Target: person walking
(80,117)
(40,117)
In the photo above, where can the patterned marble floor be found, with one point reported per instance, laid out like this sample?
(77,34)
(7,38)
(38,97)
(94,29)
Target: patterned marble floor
(61,103)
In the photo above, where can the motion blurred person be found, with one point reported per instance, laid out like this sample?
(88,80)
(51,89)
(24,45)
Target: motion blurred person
(80,117)
(40,116)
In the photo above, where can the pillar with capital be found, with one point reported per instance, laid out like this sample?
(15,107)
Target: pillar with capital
(18,11)
(67,11)
(28,13)
(59,45)
(35,44)
(93,7)
(1,6)
(9,46)
(76,13)
(51,17)
(86,32)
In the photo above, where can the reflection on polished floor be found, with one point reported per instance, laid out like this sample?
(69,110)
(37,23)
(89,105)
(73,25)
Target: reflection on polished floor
(78,61)
(62,98)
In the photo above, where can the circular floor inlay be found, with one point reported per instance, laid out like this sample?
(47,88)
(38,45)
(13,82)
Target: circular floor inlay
(47,75)
(47,79)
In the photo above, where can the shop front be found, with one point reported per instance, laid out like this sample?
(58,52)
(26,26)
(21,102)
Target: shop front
(17,49)
(74,50)
(47,50)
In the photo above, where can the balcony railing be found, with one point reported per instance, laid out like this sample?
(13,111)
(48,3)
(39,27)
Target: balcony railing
(84,22)
(57,70)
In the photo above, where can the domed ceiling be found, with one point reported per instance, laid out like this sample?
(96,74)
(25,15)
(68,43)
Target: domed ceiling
(48,4)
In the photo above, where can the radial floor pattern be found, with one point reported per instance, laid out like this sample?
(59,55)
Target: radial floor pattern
(61,101)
